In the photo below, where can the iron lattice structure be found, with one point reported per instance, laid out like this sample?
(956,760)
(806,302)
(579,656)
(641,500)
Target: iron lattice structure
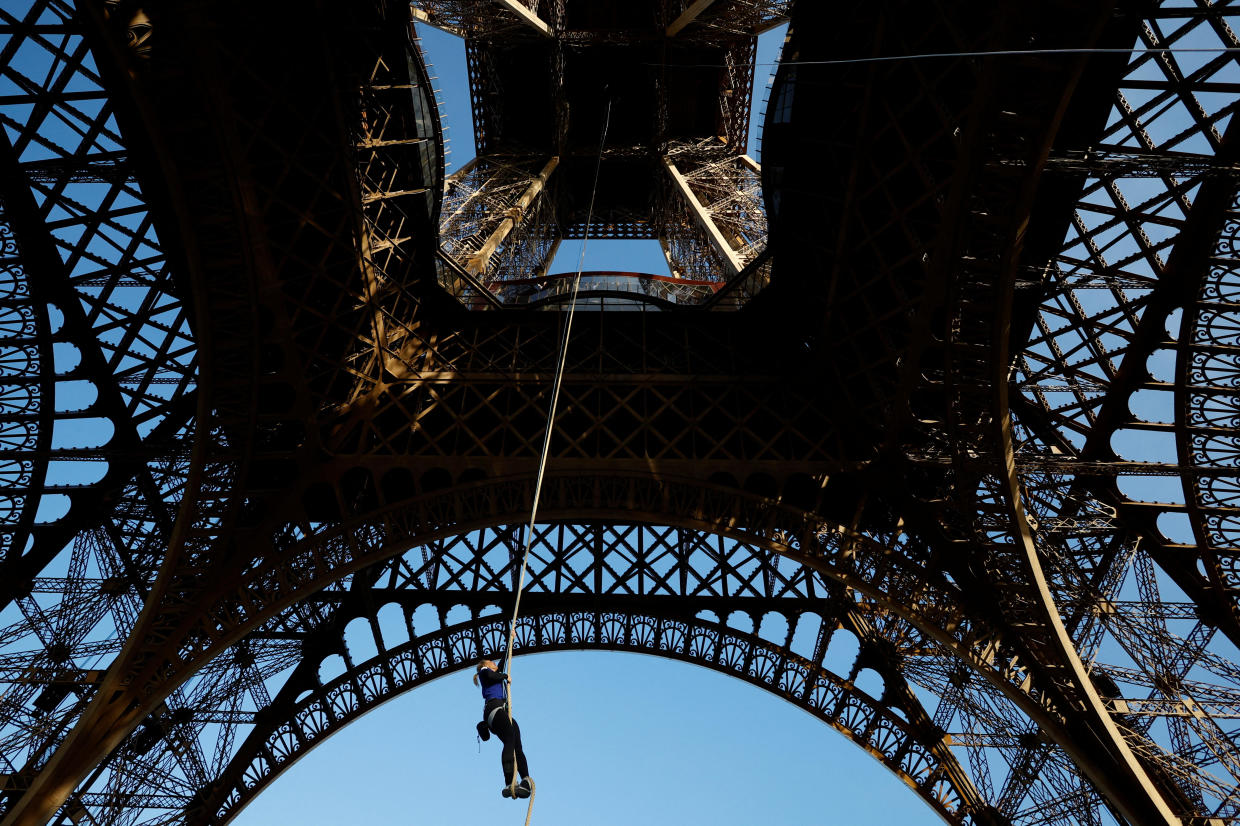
(652,99)
(960,479)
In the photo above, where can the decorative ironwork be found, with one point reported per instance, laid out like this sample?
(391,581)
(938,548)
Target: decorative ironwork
(984,422)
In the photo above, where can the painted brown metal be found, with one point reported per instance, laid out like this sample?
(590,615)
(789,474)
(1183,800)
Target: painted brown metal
(874,438)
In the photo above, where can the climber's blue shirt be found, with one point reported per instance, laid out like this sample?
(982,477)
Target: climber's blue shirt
(492,684)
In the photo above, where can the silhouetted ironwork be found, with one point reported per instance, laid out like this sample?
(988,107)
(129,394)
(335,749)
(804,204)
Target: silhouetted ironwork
(955,472)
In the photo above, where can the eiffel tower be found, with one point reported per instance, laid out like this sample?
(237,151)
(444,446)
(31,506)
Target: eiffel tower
(950,377)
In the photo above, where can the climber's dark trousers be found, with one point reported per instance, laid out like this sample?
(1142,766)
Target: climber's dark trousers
(510,735)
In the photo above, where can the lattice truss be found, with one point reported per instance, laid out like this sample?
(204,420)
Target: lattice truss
(497,219)
(486,18)
(1124,413)
(736,89)
(731,16)
(98,381)
(399,152)
(501,220)
(713,221)
(846,659)
(1124,447)
(482,18)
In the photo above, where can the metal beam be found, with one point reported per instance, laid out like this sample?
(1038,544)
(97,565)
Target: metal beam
(672,267)
(477,263)
(420,16)
(238,782)
(460,173)
(688,16)
(773,23)
(527,16)
(730,259)
(545,267)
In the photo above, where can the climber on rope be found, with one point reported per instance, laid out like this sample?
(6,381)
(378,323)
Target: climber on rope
(497,700)
(495,719)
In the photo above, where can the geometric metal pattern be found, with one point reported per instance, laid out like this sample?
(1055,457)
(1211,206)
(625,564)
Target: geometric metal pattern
(102,332)
(441,615)
(961,480)
(671,165)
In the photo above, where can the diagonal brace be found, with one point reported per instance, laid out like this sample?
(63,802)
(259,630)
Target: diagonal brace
(477,263)
(527,16)
(731,261)
(688,16)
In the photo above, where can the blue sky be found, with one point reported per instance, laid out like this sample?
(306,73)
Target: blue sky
(612,738)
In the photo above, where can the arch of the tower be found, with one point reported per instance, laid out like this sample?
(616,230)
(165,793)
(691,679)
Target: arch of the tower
(303,557)
(686,594)
(324,373)
(599,579)
(914,750)
(905,581)
(594,491)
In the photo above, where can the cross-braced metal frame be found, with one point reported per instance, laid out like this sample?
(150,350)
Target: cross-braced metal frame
(984,426)
(506,211)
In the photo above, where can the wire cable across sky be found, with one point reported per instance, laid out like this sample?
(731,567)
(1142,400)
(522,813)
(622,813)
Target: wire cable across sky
(846,61)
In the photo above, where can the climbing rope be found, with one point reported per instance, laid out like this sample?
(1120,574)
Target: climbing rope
(530,809)
(546,445)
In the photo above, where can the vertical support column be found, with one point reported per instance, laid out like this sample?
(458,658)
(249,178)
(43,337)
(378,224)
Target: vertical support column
(731,262)
(450,183)
(545,265)
(688,16)
(477,263)
(672,266)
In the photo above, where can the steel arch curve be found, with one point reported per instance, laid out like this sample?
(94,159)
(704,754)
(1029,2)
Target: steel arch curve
(913,589)
(991,652)
(908,584)
(919,754)
(476,579)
